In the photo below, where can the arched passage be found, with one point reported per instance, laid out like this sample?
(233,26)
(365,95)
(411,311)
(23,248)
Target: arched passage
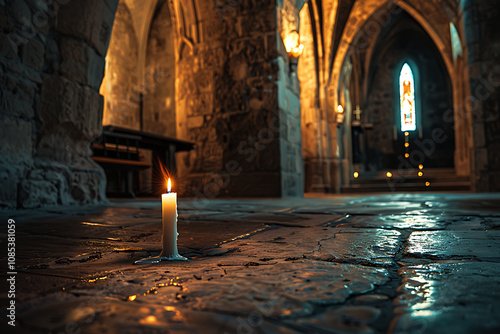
(159,81)
(120,85)
(405,41)
(139,82)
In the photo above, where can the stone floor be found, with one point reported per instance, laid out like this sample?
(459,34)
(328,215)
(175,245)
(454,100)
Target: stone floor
(394,263)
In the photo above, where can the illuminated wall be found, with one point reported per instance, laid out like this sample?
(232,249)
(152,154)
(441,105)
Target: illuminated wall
(120,86)
(159,84)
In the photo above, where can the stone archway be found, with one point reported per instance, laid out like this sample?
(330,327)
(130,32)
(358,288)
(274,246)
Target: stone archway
(405,41)
(139,85)
(368,21)
(121,87)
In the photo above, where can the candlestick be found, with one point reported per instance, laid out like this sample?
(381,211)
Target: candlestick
(169,230)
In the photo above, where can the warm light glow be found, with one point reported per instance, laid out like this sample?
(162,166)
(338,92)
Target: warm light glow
(427,184)
(420,174)
(97,278)
(407,99)
(356,175)
(340,114)
(407,144)
(169,185)
(292,44)
(407,133)
(297,51)
(132,298)
(407,155)
(150,319)
(388,174)
(420,167)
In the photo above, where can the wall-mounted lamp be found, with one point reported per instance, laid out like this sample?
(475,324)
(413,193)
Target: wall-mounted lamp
(340,115)
(294,48)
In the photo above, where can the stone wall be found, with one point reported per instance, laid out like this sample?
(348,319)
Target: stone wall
(237,102)
(481,21)
(51,66)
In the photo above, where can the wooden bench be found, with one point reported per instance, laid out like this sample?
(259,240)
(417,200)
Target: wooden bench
(118,151)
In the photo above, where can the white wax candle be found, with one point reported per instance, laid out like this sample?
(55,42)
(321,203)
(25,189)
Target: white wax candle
(169,230)
(169,222)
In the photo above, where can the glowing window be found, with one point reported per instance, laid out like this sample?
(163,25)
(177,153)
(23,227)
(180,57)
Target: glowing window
(407,98)
(456,44)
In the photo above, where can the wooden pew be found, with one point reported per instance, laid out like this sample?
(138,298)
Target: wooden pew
(118,152)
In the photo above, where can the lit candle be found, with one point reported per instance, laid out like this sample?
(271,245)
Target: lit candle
(169,222)
(169,229)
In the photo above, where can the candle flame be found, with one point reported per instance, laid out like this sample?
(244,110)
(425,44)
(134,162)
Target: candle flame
(169,185)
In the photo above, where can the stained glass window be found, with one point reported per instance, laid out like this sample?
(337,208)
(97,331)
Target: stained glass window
(407,98)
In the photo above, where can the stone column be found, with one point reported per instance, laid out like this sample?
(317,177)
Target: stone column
(482,24)
(51,67)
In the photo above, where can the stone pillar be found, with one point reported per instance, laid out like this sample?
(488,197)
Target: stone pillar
(482,23)
(236,99)
(51,66)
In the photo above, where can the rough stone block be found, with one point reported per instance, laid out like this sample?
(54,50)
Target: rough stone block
(33,54)
(37,193)
(74,56)
(33,75)
(63,144)
(80,106)
(101,32)
(20,11)
(87,185)
(8,190)
(80,11)
(69,185)
(16,137)
(59,94)
(66,135)
(6,23)
(23,89)
(95,21)
(38,5)
(80,62)
(13,106)
(8,46)
(95,69)
(90,113)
